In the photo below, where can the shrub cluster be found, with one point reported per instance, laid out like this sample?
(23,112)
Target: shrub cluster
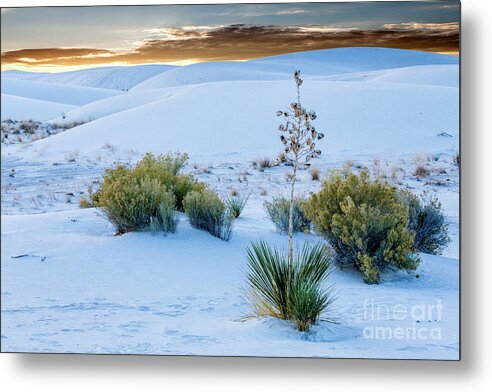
(278,211)
(365,222)
(207,211)
(148,194)
(428,222)
(290,290)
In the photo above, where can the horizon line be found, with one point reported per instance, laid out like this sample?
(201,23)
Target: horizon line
(181,63)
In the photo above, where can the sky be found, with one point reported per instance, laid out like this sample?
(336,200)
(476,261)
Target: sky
(57,39)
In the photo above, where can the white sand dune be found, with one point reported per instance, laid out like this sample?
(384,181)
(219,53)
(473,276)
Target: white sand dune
(115,78)
(226,118)
(54,92)
(20,108)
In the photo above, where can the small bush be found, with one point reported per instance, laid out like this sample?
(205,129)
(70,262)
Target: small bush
(421,171)
(457,159)
(314,174)
(289,290)
(365,222)
(29,127)
(206,211)
(428,222)
(262,164)
(281,158)
(278,211)
(235,205)
(84,203)
(67,124)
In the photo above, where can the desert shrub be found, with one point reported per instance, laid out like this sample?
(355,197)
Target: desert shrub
(278,211)
(28,127)
(206,211)
(262,163)
(281,158)
(165,169)
(130,203)
(293,290)
(67,124)
(421,171)
(166,218)
(147,194)
(457,159)
(314,174)
(428,222)
(84,203)
(365,222)
(235,205)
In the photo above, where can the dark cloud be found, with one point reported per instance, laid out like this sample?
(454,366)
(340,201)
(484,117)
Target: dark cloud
(245,42)
(48,55)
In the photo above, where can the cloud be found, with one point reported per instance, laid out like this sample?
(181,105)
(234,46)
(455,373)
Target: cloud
(244,42)
(450,27)
(292,12)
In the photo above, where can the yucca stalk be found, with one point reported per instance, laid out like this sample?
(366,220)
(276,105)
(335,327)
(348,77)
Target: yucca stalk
(299,145)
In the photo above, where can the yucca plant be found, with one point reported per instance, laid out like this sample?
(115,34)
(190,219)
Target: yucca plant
(306,302)
(299,137)
(290,289)
(235,205)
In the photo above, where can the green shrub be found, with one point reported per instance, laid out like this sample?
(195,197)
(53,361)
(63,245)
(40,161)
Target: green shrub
(206,211)
(278,211)
(132,196)
(365,222)
(166,169)
(235,205)
(163,168)
(166,218)
(289,290)
(130,203)
(428,222)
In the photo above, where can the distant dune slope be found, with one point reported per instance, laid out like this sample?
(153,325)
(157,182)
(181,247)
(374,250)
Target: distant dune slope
(313,63)
(118,103)
(53,92)
(115,78)
(238,119)
(20,108)
(432,75)
(368,100)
